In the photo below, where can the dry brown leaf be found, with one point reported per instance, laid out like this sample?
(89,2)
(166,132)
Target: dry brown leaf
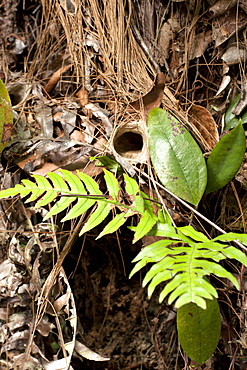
(202,119)
(222,6)
(153,98)
(201,42)
(83,96)
(85,352)
(55,78)
(226,25)
(234,55)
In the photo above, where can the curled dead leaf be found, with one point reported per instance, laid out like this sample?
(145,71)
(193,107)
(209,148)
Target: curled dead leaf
(205,124)
(152,99)
(55,78)
(222,6)
(87,353)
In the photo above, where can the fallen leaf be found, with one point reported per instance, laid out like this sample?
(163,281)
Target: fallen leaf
(83,96)
(222,6)
(201,42)
(87,353)
(234,55)
(226,25)
(202,119)
(55,78)
(226,79)
(152,99)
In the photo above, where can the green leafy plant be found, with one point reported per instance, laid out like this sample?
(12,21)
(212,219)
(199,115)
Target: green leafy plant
(225,159)
(176,157)
(199,330)
(85,192)
(6,116)
(185,258)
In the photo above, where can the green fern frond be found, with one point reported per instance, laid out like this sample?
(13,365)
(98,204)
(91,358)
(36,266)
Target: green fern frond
(183,262)
(81,192)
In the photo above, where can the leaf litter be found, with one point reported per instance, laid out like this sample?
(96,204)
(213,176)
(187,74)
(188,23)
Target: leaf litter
(77,72)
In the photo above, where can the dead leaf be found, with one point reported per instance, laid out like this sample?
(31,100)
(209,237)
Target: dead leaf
(152,99)
(200,45)
(87,353)
(226,25)
(78,135)
(102,114)
(69,6)
(222,6)
(202,119)
(234,55)
(165,38)
(224,83)
(55,78)
(243,101)
(83,96)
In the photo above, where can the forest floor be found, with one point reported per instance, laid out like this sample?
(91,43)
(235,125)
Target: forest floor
(76,72)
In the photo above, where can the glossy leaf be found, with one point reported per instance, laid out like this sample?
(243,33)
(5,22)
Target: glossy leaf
(176,157)
(231,120)
(226,158)
(6,116)
(199,330)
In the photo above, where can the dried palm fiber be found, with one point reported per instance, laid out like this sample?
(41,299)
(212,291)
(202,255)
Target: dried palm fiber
(47,42)
(125,66)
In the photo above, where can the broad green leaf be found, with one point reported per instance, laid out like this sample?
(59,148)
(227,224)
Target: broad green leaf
(193,234)
(131,185)
(176,157)
(199,330)
(164,217)
(226,158)
(158,268)
(159,278)
(17,189)
(74,182)
(133,190)
(42,182)
(47,198)
(6,116)
(58,182)
(91,185)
